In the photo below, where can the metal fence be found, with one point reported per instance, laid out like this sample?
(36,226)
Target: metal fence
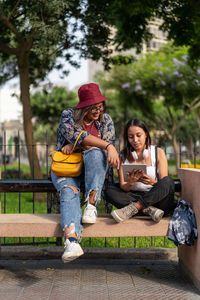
(15,165)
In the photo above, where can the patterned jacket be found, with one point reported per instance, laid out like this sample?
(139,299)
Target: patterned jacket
(68,130)
(183,226)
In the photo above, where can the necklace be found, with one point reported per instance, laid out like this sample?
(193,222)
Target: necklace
(88,123)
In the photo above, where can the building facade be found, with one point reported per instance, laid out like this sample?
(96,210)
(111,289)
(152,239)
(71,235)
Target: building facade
(158,40)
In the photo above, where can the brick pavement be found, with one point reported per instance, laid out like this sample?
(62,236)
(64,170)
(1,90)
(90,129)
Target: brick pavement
(94,279)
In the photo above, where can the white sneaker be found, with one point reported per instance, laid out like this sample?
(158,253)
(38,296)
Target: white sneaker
(72,251)
(90,214)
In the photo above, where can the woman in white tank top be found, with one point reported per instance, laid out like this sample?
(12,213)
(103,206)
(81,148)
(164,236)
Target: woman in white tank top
(151,192)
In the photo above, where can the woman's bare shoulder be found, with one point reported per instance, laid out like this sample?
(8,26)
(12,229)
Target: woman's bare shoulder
(161,153)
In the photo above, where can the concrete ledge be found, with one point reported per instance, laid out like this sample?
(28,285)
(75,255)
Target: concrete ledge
(48,225)
(190,256)
(21,252)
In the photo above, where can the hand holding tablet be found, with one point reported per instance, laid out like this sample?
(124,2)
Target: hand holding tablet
(130,167)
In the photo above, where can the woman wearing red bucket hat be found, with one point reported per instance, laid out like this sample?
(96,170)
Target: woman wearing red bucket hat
(96,143)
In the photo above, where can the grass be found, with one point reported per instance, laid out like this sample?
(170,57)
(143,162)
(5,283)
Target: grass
(132,242)
(12,171)
(23,203)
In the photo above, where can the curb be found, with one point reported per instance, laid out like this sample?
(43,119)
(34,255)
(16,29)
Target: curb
(21,252)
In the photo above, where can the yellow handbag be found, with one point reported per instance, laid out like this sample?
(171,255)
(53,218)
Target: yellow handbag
(67,165)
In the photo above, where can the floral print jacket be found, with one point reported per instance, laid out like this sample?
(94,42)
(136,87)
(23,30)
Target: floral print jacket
(68,131)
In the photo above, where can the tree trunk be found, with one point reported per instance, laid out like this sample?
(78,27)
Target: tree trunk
(23,64)
(191,149)
(198,118)
(177,151)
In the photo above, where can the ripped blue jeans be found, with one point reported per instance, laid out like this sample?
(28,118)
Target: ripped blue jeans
(95,168)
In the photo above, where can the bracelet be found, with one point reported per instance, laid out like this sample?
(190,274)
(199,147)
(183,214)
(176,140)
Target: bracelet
(108,146)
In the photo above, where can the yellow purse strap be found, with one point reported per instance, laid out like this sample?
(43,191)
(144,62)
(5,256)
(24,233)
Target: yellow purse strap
(77,140)
(53,151)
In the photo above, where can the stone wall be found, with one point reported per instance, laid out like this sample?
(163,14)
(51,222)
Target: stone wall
(189,256)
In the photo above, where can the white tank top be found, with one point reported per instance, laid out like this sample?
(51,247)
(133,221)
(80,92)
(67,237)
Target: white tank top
(151,171)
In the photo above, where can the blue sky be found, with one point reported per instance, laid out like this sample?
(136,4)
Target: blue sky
(76,76)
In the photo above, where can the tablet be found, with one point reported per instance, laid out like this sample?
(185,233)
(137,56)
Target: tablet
(130,167)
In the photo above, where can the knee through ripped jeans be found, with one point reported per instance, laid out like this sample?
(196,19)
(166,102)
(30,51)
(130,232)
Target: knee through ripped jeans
(95,168)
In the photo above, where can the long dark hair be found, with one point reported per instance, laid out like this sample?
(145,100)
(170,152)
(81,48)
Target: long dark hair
(125,153)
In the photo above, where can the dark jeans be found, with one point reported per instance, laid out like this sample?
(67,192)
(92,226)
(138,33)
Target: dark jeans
(161,196)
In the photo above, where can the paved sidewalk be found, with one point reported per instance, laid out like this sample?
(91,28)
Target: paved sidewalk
(94,279)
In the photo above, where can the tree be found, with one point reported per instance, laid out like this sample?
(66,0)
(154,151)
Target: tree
(131,19)
(47,106)
(170,78)
(188,133)
(33,35)
(30,38)
(163,86)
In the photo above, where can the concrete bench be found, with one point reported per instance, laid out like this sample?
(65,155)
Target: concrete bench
(48,225)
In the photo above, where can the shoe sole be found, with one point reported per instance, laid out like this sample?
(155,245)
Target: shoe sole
(158,216)
(70,258)
(116,217)
(88,221)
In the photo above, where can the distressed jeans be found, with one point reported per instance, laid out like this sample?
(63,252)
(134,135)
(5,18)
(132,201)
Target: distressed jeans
(95,168)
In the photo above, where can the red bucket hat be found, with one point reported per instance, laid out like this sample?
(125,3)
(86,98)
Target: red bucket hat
(89,94)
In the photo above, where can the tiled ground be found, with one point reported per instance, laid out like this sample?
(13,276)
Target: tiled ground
(93,279)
